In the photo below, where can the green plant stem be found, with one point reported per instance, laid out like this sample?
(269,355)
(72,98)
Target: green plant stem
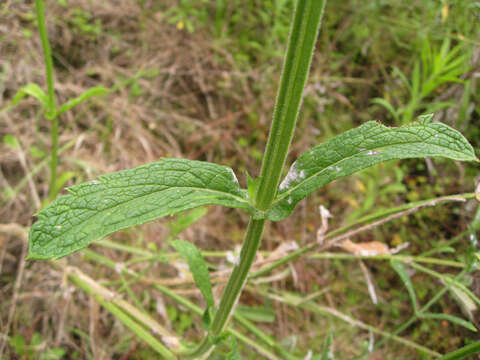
(463,352)
(50,111)
(197,310)
(303,34)
(233,289)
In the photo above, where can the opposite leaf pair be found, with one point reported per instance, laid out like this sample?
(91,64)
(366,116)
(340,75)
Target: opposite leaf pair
(117,201)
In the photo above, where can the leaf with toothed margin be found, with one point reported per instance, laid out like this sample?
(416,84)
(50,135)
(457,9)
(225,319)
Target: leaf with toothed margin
(117,201)
(362,147)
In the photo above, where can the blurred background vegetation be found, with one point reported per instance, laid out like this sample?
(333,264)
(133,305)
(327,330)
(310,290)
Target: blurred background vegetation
(197,80)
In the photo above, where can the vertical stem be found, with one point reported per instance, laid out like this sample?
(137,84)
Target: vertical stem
(301,44)
(50,111)
(238,277)
(303,34)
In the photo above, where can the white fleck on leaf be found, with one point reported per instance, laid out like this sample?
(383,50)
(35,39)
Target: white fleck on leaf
(291,177)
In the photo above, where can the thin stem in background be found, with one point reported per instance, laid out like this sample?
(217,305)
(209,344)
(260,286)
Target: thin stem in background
(50,111)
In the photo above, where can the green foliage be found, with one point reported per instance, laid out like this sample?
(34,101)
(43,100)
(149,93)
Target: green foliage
(32,350)
(11,141)
(83,23)
(199,270)
(88,94)
(362,147)
(402,272)
(256,314)
(436,67)
(233,354)
(462,353)
(327,353)
(185,220)
(116,201)
(188,14)
(33,90)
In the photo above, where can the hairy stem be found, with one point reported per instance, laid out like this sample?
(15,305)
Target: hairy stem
(50,111)
(303,34)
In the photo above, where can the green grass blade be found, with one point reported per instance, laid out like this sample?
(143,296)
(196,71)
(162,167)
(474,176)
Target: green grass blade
(463,352)
(32,90)
(92,92)
(198,267)
(327,353)
(400,269)
(450,318)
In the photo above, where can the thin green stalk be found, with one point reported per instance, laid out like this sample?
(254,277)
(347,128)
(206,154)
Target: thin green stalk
(303,34)
(197,310)
(50,111)
(233,289)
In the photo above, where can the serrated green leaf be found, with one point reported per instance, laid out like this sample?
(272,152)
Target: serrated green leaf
(117,201)
(198,267)
(95,91)
(362,147)
(33,90)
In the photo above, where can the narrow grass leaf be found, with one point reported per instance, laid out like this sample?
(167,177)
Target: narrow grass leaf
(33,90)
(327,353)
(450,318)
(256,314)
(185,220)
(399,267)
(362,147)
(199,269)
(233,354)
(117,201)
(92,92)
(387,105)
(463,352)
